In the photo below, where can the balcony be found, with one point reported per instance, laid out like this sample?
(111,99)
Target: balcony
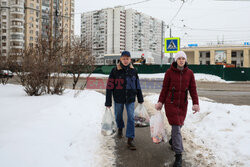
(17,12)
(17,6)
(21,20)
(17,34)
(16,47)
(17,26)
(16,40)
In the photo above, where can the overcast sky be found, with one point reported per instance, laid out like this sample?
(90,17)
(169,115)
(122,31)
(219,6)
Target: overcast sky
(205,20)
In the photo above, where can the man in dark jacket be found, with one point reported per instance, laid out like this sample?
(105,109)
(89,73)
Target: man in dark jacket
(178,80)
(123,84)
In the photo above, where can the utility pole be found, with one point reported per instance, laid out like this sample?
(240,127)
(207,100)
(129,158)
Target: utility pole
(51,24)
(171,54)
(162,33)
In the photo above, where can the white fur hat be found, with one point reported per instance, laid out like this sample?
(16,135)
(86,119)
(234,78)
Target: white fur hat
(180,54)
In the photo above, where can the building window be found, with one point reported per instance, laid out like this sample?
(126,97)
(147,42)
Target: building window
(207,62)
(234,62)
(234,54)
(241,63)
(208,55)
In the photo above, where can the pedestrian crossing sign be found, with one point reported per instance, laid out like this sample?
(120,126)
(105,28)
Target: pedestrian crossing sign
(172,45)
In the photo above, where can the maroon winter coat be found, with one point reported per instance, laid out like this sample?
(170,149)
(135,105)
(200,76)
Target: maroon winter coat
(174,93)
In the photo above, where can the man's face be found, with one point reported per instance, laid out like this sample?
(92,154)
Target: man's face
(181,61)
(125,60)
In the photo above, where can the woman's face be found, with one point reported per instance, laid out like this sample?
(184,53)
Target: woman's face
(181,61)
(125,60)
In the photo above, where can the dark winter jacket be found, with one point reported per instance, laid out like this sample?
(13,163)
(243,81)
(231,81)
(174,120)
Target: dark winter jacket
(174,93)
(123,84)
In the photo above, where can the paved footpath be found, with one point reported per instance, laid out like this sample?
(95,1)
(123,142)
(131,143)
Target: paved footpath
(147,153)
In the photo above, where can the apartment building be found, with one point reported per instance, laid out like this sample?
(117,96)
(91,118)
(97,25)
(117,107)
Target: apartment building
(112,30)
(23,22)
(104,31)
(144,34)
(49,16)
(11,26)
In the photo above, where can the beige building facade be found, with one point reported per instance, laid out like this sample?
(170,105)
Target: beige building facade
(210,55)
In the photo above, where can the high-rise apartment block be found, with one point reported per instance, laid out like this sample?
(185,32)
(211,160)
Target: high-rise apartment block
(11,26)
(112,30)
(23,22)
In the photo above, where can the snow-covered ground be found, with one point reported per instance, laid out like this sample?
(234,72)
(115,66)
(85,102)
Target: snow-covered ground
(52,131)
(66,131)
(198,77)
(219,135)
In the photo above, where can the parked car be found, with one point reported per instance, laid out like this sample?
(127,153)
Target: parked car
(6,74)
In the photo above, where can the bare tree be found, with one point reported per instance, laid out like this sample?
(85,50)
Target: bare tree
(3,66)
(39,67)
(80,61)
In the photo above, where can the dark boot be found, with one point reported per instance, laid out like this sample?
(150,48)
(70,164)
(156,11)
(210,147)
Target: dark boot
(170,141)
(119,133)
(131,144)
(178,160)
(171,144)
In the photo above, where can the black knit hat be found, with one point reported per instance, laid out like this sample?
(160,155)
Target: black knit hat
(125,53)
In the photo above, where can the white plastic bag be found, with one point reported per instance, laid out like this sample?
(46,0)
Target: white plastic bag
(157,129)
(108,123)
(141,116)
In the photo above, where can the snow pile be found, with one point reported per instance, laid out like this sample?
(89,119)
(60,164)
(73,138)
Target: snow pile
(209,78)
(152,76)
(198,77)
(216,136)
(53,130)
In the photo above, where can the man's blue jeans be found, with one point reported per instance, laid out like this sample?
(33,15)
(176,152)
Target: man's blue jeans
(130,107)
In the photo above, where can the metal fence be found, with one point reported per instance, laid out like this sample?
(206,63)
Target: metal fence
(228,74)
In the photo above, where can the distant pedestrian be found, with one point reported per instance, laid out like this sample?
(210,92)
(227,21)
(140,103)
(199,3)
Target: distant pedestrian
(178,80)
(123,84)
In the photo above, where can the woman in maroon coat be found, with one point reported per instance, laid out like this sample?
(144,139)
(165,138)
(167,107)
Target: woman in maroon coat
(178,80)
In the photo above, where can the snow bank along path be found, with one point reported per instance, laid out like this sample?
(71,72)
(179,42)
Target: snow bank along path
(52,130)
(198,77)
(217,136)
